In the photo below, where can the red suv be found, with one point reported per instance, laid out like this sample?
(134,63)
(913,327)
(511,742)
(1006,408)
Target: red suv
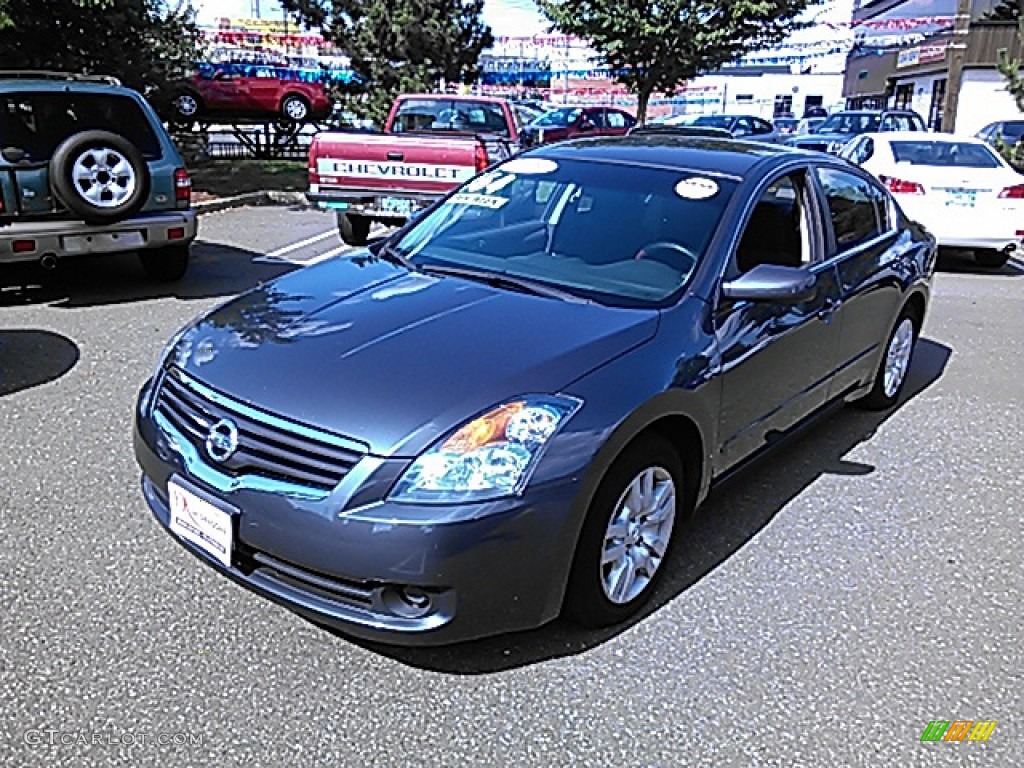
(567,122)
(251,92)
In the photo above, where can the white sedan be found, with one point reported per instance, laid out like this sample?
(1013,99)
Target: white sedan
(958,188)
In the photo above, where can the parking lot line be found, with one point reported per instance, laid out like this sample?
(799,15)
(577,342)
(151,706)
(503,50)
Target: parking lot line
(302,243)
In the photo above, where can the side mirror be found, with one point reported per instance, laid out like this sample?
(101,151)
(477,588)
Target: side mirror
(586,125)
(740,133)
(13,155)
(773,283)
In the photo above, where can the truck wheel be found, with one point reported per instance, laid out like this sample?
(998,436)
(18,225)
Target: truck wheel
(354,230)
(99,176)
(295,108)
(165,264)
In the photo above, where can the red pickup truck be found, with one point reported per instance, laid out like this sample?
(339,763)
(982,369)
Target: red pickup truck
(430,144)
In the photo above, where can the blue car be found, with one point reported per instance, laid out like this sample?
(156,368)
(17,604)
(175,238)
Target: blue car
(503,411)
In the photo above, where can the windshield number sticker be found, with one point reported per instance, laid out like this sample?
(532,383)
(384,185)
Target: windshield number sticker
(697,188)
(480,201)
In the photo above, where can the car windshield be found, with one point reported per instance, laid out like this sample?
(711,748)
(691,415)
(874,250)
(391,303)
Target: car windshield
(714,121)
(449,116)
(558,118)
(850,122)
(944,153)
(40,121)
(620,235)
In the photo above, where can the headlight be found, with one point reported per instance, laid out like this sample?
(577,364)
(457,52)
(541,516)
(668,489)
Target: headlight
(486,458)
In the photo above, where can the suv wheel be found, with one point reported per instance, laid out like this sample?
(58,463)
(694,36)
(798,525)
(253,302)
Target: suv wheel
(187,106)
(295,108)
(99,176)
(165,264)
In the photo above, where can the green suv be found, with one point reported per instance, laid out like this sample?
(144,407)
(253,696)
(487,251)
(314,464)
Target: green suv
(86,167)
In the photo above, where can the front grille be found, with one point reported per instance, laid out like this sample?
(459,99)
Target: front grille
(266,447)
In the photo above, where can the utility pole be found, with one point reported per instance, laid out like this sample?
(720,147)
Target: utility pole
(955,56)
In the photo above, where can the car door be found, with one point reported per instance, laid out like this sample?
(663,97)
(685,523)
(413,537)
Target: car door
(615,122)
(264,90)
(862,244)
(777,357)
(762,130)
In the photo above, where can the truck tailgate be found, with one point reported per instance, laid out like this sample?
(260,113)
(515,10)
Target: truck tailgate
(392,164)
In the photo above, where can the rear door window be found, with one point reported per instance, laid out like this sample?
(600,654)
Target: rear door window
(858,209)
(40,122)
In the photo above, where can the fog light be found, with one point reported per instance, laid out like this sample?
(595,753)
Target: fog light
(407,602)
(177,233)
(23,246)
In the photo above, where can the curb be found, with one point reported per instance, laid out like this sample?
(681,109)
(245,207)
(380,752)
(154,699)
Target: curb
(266,197)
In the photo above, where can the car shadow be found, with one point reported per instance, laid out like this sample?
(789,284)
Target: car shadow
(29,358)
(216,270)
(731,517)
(959,261)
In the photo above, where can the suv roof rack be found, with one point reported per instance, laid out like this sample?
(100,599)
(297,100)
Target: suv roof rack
(42,74)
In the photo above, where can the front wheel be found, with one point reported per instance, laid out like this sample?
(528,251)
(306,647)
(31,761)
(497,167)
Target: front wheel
(627,534)
(354,230)
(165,264)
(892,372)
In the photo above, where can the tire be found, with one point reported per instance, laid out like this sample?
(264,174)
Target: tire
(896,360)
(596,595)
(294,108)
(991,258)
(166,264)
(354,229)
(187,106)
(99,176)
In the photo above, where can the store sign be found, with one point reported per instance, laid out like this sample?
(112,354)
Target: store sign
(921,54)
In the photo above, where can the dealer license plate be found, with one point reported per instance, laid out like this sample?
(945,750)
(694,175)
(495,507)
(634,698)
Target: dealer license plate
(197,520)
(399,205)
(961,197)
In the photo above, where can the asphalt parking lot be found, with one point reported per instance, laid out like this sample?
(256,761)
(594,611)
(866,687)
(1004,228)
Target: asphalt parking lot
(821,610)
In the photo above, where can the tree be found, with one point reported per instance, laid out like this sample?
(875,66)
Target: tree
(1010,70)
(144,43)
(656,46)
(399,46)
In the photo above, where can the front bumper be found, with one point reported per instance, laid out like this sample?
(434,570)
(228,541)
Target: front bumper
(68,238)
(346,561)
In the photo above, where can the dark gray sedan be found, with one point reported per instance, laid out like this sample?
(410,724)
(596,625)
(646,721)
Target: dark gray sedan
(503,411)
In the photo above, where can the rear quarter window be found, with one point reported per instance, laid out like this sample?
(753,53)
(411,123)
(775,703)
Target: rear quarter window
(40,122)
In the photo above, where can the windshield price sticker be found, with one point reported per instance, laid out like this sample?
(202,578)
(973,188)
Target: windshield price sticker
(480,201)
(529,166)
(697,188)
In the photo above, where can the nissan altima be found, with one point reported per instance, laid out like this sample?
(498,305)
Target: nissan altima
(502,412)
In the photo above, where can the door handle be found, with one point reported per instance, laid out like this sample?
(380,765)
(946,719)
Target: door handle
(828,310)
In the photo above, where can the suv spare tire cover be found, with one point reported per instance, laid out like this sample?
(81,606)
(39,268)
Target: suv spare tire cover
(100,176)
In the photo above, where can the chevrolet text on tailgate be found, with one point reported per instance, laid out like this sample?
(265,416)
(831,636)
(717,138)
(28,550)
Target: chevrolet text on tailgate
(430,145)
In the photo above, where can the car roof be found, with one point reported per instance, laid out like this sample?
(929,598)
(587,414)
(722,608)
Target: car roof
(21,85)
(718,156)
(454,97)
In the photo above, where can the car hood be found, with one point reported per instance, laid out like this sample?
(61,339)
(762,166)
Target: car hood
(394,358)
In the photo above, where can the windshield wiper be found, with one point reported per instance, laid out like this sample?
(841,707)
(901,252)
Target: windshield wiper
(504,280)
(392,254)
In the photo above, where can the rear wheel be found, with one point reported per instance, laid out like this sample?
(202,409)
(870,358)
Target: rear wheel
(165,264)
(187,106)
(295,108)
(354,229)
(892,371)
(991,258)
(627,534)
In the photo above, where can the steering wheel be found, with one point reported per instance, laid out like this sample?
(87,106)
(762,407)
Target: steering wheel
(670,254)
